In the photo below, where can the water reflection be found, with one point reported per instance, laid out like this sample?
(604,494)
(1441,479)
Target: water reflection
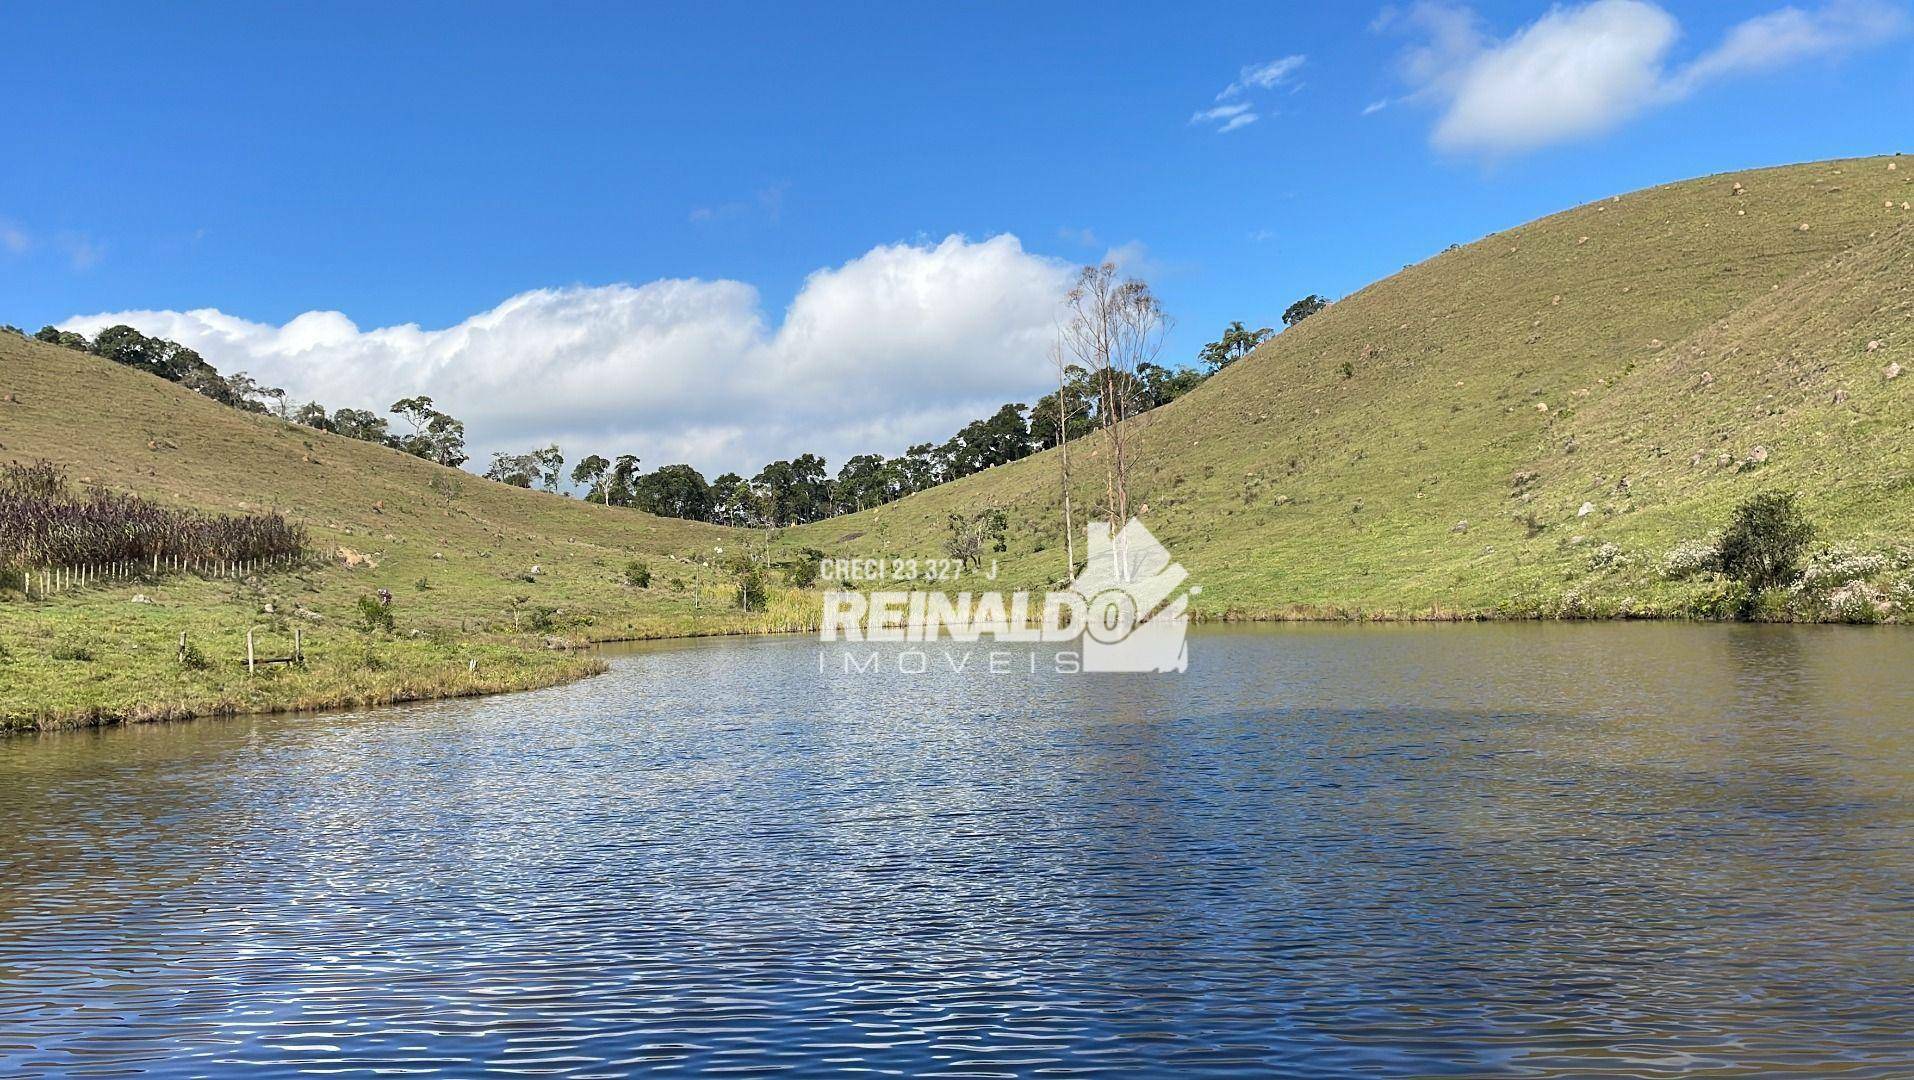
(1528,850)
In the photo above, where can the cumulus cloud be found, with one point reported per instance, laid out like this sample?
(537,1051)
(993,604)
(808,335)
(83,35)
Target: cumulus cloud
(902,344)
(1231,111)
(1586,69)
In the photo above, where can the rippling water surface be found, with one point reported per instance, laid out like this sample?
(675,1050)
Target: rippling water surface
(1512,850)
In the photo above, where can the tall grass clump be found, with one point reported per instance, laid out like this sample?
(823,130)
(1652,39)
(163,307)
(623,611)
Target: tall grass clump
(43,522)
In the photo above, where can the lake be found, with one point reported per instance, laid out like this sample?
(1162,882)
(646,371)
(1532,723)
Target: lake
(1523,850)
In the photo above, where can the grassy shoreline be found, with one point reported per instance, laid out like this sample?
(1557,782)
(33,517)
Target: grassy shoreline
(344,683)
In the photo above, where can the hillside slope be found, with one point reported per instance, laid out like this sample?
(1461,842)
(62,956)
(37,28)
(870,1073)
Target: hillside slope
(1655,357)
(456,552)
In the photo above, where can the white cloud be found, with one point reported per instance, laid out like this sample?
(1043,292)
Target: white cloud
(82,252)
(902,344)
(1582,70)
(1232,113)
(1135,260)
(768,203)
(1266,76)
(1790,36)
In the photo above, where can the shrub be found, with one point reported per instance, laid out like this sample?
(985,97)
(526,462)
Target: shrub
(803,570)
(538,618)
(1690,558)
(1721,600)
(1769,605)
(192,659)
(74,650)
(1833,567)
(1763,545)
(374,616)
(1858,602)
(752,593)
(638,574)
(1606,557)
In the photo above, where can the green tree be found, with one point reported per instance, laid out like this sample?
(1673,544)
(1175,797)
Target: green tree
(969,537)
(364,425)
(1236,343)
(435,436)
(590,475)
(242,390)
(624,475)
(1304,308)
(513,470)
(1047,426)
(539,467)
(998,439)
(732,501)
(866,480)
(1158,385)
(677,491)
(1764,543)
(53,335)
(795,491)
(313,415)
(923,467)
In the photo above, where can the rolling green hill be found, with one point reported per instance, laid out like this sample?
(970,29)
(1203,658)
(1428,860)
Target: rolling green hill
(456,551)
(1525,425)
(1655,357)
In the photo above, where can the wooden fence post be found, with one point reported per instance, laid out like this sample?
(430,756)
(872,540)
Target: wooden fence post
(249,652)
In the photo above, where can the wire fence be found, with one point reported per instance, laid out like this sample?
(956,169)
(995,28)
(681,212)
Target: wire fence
(45,581)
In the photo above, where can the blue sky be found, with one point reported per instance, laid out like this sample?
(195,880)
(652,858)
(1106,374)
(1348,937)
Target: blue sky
(424,164)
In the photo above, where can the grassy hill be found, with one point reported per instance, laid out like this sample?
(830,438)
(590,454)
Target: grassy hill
(1655,357)
(456,551)
(1525,425)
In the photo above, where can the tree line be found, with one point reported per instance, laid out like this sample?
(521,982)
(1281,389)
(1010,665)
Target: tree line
(801,489)
(434,435)
(1092,393)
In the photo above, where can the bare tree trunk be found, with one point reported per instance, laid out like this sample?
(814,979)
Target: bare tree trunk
(1063,448)
(1114,328)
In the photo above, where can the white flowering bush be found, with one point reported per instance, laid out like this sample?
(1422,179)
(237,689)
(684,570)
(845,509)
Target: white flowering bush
(1833,567)
(1858,602)
(1689,558)
(1606,557)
